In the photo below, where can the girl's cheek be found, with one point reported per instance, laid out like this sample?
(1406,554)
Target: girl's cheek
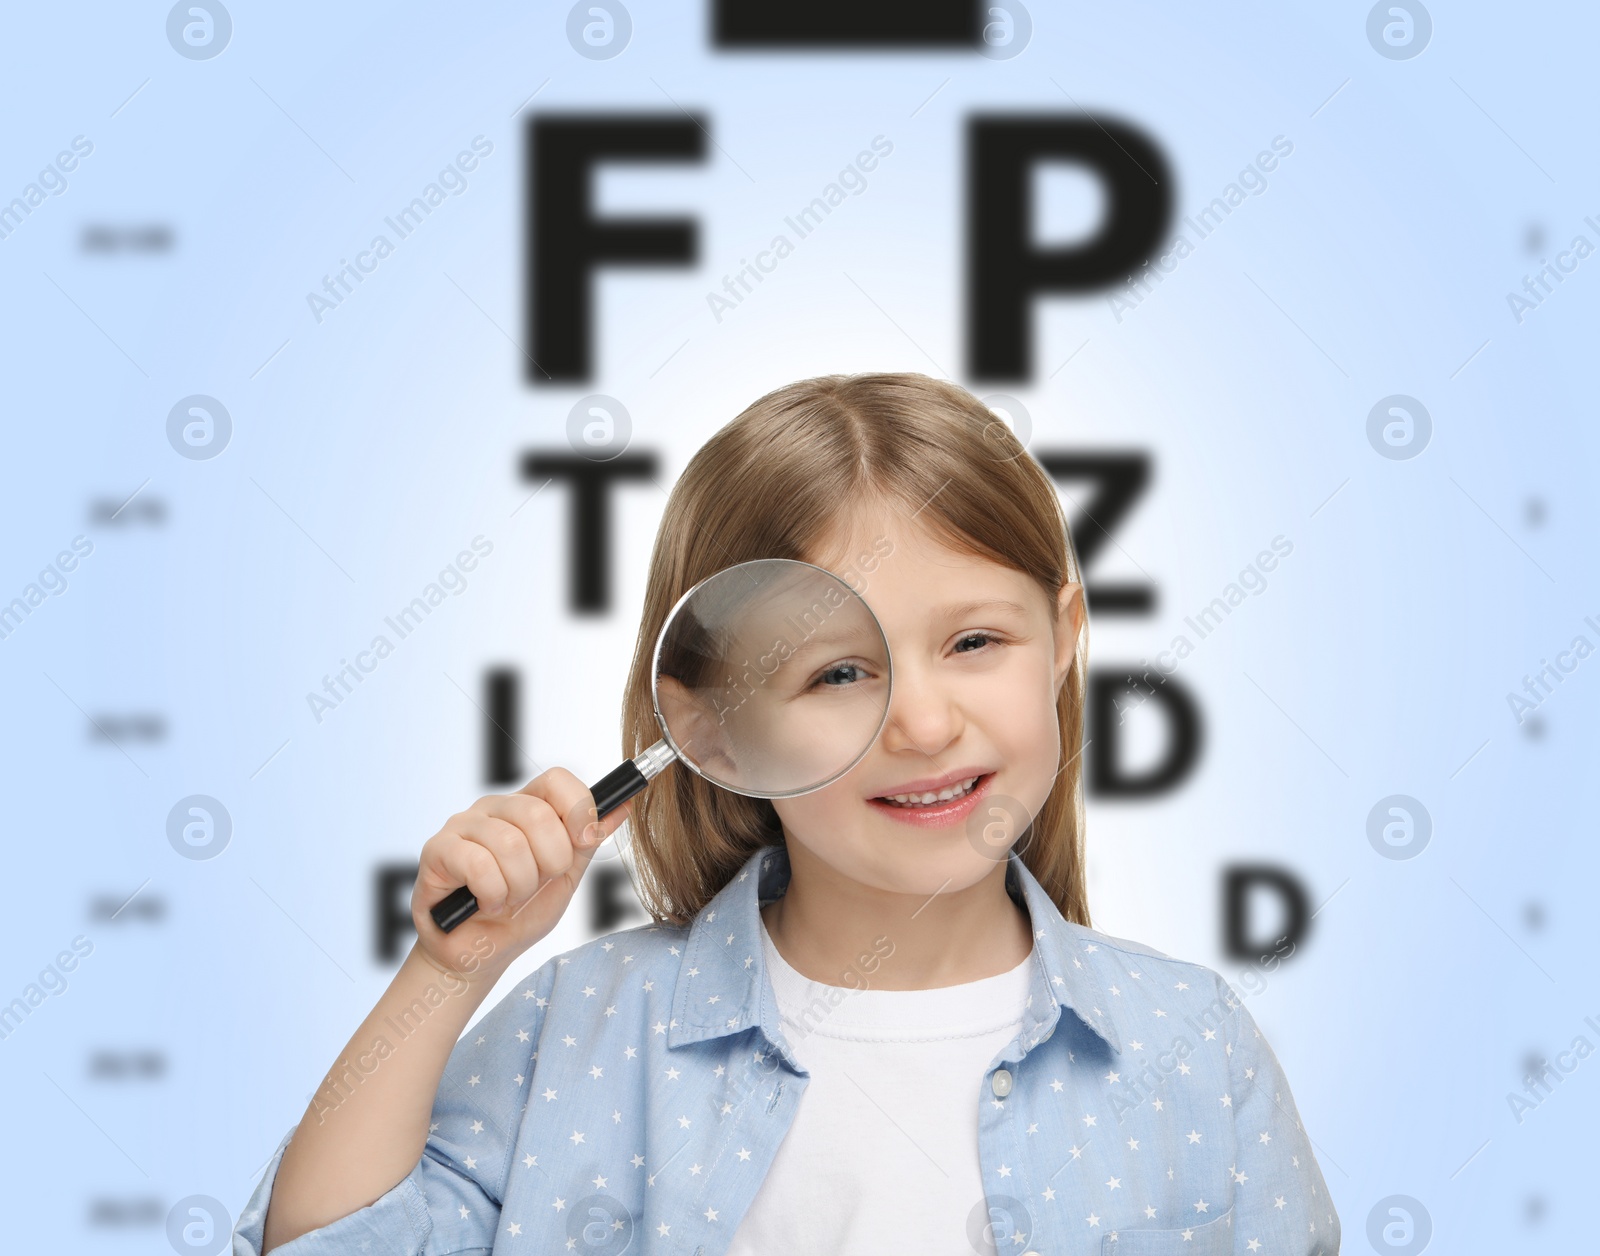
(1026,692)
(1023,724)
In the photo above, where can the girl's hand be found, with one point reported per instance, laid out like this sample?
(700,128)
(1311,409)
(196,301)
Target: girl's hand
(522,856)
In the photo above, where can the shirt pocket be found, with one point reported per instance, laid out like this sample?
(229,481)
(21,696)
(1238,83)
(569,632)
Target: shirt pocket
(1214,1238)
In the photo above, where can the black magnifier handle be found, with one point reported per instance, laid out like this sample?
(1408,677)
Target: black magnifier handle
(610,792)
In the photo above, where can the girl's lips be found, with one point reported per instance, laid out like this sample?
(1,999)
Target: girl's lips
(936,815)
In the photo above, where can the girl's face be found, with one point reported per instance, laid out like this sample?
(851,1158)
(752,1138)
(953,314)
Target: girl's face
(978,666)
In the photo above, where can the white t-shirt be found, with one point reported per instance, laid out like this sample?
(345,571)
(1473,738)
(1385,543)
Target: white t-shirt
(883,1152)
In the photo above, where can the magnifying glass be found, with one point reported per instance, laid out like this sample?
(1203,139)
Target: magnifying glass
(771,678)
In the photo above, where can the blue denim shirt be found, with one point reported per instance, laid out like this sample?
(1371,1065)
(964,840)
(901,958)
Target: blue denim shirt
(638,1086)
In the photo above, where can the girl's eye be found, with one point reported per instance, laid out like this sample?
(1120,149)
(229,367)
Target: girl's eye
(830,676)
(983,638)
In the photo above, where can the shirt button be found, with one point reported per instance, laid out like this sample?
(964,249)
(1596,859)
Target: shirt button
(1000,1083)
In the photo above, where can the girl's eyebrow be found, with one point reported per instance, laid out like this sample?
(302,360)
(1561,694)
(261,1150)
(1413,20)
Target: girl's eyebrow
(816,641)
(959,610)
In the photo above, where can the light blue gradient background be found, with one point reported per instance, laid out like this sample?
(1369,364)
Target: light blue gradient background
(1376,662)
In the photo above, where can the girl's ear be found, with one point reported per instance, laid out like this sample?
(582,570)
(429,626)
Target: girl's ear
(1070,617)
(698,732)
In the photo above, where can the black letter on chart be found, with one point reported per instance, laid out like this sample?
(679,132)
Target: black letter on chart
(1236,884)
(883,24)
(566,242)
(1006,269)
(502,707)
(612,901)
(590,564)
(392,890)
(1120,478)
(1107,777)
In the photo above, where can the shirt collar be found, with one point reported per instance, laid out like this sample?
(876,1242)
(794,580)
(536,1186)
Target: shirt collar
(723,987)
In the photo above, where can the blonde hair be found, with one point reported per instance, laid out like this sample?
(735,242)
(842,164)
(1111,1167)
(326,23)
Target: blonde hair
(776,482)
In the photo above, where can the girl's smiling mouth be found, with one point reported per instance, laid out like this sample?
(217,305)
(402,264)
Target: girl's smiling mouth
(936,812)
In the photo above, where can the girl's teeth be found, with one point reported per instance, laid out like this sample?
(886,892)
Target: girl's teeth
(922,800)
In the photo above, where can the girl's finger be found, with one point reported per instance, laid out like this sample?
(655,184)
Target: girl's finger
(542,829)
(570,799)
(510,847)
(451,860)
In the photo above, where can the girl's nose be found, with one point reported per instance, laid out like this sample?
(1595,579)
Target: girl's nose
(923,715)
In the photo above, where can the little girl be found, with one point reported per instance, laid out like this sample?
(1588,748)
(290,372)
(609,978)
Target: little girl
(868,1019)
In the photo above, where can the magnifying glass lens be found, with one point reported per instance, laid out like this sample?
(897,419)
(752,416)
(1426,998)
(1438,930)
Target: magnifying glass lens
(772,678)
